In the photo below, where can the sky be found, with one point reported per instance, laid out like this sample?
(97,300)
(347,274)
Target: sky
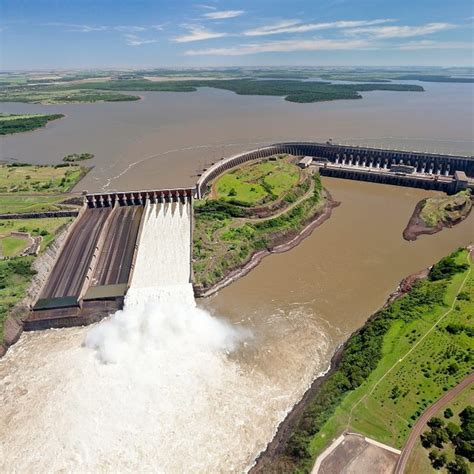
(47,34)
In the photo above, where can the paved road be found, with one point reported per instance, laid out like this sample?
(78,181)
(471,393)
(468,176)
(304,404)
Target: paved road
(420,424)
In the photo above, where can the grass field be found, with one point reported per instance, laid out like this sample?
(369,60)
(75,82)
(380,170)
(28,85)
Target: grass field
(10,124)
(433,360)
(19,204)
(31,188)
(419,462)
(47,227)
(35,178)
(11,246)
(257,183)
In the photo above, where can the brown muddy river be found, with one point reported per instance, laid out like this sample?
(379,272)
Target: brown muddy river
(64,410)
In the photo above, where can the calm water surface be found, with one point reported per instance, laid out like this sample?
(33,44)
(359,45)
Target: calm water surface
(298,306)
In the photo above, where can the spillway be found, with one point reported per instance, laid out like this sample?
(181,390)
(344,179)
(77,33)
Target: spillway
(162,268)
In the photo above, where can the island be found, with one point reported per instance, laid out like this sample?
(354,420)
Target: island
(251,211)
(110,89)
(433,214)
(17,123)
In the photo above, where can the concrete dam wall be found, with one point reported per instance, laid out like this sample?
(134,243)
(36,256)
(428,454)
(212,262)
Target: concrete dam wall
(373,163)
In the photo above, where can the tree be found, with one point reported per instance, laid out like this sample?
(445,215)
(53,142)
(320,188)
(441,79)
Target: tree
(453,430)
(458,466)
(427,439)
(448,413)
(438,460)
(435,422)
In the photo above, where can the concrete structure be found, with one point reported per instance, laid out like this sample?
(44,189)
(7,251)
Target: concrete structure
(305,162)
(93,271)
(338,160)
(131,198)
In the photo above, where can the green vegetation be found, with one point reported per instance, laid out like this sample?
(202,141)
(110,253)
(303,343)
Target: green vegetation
(36,188)
(11,246)
(449,421)
(16,272)
(257,183)
(446,209)
(451,445)
(59,95)
(47,227)
(226,231)
(384,76)
(78,157)
(24,123)
(293,91)
(398,364)
(25,178)
(15,277)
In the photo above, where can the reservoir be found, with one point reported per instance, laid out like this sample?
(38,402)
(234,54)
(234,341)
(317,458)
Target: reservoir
(208,410)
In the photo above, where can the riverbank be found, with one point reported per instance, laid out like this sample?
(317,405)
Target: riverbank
(432,215)
(282,243)
(275,449)
(368,359)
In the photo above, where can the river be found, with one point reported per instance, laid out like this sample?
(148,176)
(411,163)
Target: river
(63,410)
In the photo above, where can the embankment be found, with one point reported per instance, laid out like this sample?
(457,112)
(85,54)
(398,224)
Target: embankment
(13,326)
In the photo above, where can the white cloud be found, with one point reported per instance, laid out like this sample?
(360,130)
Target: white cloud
(77,28)
(402,31)
(207,7)
(282,46)
(82,28)
(426,44)
(134,40)
(197,33)
(296,26)
(129,29)
(223,15)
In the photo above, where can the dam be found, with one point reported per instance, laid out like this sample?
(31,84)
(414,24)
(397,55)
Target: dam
(96,268)
(96,265)
(422,170)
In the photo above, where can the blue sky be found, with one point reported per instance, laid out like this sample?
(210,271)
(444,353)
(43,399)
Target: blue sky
(159,33)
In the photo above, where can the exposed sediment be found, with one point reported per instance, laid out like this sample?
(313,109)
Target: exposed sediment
(276,447)
(285,242)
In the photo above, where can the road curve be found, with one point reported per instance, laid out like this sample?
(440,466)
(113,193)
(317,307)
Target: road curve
(419,425)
